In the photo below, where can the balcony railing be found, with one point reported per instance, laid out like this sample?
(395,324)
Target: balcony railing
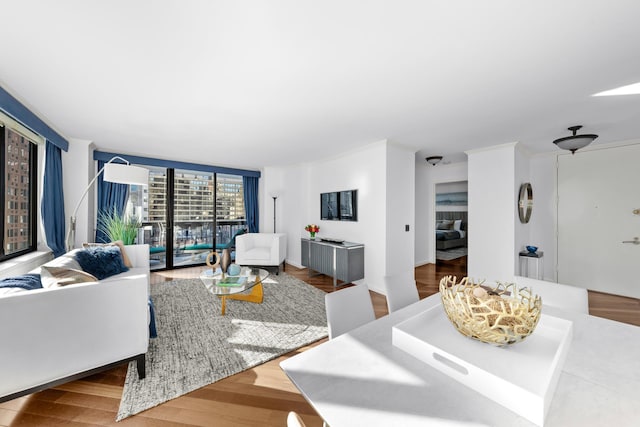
(192,238)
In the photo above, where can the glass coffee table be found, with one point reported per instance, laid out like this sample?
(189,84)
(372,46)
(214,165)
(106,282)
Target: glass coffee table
(232,287)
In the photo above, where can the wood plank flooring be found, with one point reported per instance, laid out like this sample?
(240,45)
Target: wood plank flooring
(261,396)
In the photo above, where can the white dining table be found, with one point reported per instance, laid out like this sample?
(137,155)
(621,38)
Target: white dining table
(362,379)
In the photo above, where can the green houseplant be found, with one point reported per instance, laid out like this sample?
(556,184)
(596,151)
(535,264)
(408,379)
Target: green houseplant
(117,227)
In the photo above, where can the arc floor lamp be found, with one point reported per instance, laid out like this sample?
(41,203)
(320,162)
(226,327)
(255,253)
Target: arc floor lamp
(113,172)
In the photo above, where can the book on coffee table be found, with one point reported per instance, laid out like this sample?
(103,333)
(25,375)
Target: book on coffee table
(233,281)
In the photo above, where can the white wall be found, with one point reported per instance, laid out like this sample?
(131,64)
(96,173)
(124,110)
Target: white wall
(492,213)
(400,206)
(383,174)
(427,177)
(522,236)
(291,185)
(451,187)
(271,183)
(542,226)
(78,169)
(363,170)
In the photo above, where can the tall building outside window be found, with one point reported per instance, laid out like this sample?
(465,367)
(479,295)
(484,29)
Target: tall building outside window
(185,213)
(18,165)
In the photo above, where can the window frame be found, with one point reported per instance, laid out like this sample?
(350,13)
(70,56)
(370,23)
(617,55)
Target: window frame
(172,192)
(33,191)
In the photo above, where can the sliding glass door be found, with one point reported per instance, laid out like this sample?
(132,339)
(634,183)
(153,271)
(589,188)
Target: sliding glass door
(186,214)
(149,204)
(193,211)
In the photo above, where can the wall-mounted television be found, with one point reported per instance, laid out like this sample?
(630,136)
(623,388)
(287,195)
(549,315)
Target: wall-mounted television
(339,205)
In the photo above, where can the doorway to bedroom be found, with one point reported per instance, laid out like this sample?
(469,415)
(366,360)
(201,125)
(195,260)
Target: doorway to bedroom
(451,228)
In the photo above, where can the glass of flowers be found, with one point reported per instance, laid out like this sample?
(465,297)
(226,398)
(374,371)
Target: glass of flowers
(312,229)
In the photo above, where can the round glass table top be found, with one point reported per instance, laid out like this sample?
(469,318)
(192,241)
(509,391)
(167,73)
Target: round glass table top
(223,284)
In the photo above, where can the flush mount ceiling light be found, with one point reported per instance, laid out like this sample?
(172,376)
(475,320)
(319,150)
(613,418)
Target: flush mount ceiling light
(575,142)
(632,89)
(433,160)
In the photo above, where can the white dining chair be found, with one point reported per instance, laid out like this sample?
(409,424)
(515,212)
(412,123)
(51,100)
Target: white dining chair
(294,420)
(401,291)
(565,297)
(347,309)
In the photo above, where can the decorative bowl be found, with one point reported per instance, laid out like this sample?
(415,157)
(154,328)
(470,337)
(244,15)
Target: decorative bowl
(532,249)
(500,316)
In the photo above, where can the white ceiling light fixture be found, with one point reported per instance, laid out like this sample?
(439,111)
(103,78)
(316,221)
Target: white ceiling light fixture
(575,142)
(632,89)
(433,160)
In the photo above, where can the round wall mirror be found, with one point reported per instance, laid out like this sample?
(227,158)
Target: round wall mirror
(525,202)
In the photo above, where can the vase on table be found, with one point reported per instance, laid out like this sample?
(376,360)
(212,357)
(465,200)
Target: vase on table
(225,260)
(312,229)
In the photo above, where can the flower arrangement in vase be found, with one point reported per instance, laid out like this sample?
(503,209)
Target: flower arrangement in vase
(312,229)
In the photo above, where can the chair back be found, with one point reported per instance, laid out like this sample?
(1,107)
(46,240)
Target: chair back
(232,242)
(294,420)
(401,291)
(347,309)
(236,234)
(565,297)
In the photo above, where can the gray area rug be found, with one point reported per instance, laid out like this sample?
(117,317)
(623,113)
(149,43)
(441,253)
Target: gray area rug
(197,346)
(450,254)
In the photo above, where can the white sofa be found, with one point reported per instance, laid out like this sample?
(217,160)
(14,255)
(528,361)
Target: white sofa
(261,250)
(53,335)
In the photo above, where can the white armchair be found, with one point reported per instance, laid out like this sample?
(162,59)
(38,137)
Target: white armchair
(261,250)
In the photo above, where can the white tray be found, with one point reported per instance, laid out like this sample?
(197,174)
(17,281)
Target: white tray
(522,377)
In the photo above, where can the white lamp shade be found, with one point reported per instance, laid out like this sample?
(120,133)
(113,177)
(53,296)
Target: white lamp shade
(574,143)
(126,174)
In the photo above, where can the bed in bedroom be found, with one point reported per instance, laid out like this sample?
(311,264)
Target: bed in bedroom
(451,230)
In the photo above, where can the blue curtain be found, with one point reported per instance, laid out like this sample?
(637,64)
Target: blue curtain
(52,207)
(250,185)
(110,195)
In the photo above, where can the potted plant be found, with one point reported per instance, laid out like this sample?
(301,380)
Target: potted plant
(119,227)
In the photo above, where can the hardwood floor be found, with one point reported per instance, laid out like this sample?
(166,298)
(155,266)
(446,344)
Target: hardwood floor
(261,396)
(614,307)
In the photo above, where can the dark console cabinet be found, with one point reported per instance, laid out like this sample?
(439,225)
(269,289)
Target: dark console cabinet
(342,261)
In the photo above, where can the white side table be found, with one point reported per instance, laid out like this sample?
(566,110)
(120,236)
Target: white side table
(525,258)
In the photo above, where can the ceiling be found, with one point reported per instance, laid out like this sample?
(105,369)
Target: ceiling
(266,83)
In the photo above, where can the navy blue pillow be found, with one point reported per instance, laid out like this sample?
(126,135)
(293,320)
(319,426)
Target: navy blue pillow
(25,281)
(101,261)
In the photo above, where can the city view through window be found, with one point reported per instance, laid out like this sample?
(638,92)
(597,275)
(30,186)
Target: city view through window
(19,185)
(192,210)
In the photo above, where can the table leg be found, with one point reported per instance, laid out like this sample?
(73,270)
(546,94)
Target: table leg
(255,296)
(223,299)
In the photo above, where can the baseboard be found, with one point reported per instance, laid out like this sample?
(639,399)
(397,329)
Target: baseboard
(294,264)
(421,263)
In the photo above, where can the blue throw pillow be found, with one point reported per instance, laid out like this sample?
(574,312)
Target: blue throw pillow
(101,261)
(25,281)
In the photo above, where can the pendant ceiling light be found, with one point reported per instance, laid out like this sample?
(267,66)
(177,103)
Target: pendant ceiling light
(433,160)
(575,142)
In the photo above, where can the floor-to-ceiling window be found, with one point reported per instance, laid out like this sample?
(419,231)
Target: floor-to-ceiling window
(18,176)
(149,204)
(181,208)
(193,212)
(230,215)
